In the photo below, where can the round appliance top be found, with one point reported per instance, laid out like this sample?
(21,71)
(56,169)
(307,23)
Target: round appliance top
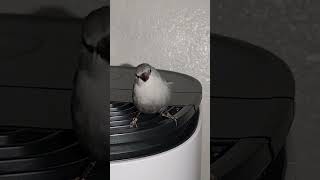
(252,91)
(243,70)
(154,134)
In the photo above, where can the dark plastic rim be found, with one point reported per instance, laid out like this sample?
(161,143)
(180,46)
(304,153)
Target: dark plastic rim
(37,154)
(154,134)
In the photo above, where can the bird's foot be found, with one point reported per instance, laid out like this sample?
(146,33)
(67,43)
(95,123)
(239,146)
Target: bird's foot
(134,123)
(170,116)
(133,114)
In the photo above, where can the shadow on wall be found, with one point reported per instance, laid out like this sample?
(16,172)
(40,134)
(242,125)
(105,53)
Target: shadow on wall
(126,65)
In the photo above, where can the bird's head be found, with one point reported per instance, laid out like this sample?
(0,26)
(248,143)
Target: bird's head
(96,33)
(143,72)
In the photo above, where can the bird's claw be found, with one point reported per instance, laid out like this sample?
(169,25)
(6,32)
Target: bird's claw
(168,115)
(175,120)
(134,123)
(133,114)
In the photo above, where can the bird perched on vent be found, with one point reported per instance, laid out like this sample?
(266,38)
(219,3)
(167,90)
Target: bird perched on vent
(151,93)
(90,102)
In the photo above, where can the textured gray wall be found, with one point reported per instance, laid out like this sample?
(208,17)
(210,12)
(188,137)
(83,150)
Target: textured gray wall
(291,30)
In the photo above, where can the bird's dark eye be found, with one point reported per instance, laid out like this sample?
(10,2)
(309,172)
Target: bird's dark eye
(150,71)
(137,76)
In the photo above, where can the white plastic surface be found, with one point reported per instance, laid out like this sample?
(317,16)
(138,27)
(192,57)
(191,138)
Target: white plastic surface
(180,163)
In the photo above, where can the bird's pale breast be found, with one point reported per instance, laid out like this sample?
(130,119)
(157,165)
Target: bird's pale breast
(151,96)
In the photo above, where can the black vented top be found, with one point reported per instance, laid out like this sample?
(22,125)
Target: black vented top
(154,133)
(38,154)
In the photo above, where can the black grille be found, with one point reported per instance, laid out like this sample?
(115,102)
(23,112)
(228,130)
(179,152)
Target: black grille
(38,154)
(154,133)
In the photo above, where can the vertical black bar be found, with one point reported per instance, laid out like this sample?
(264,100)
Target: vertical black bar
(108,96)
(212,177)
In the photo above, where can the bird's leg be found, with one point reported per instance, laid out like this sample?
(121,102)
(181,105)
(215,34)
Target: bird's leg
(133,114)
(135,120)
(87,171)
(167,114)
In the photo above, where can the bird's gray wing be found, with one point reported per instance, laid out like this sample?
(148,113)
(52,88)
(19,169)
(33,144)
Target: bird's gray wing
(170,85)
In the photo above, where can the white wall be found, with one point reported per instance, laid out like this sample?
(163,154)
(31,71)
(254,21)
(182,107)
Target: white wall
(169,34)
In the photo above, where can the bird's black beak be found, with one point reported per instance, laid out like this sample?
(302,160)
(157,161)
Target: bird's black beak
(144,77)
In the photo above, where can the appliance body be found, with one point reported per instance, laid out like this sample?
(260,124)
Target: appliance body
(180,163)
(174,152)
(252,103)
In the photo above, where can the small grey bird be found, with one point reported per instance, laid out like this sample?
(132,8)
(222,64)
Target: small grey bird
(151,93)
